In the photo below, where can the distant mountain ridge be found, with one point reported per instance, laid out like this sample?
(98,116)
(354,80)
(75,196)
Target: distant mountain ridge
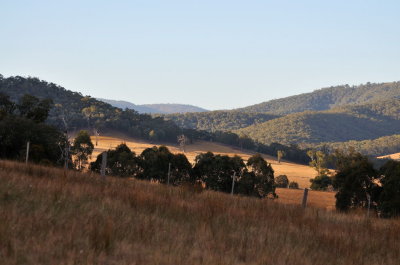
(167,108)
(328,98)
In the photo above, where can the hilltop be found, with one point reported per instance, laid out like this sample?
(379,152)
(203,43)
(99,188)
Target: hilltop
(167,108)
(329,98)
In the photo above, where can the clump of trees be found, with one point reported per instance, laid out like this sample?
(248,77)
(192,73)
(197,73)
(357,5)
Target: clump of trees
(23,122)
(360,185)
(216,172)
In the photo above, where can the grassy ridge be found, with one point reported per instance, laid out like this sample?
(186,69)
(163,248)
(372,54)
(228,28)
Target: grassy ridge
(47,217)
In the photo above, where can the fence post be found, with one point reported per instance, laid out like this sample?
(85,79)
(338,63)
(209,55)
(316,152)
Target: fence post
(305,195)
(27,152)
(233,182)
(103,165)
(169,172)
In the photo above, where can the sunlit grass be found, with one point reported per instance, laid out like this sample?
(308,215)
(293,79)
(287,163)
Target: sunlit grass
(48,216)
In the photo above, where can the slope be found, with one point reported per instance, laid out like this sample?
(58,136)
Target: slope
(218,120)
(359,122)
(72,110)
(295,172)
(328,98)
(48,216)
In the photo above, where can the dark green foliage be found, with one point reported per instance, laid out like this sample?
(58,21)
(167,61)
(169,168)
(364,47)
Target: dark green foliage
(73,111)
(327,98)
(354,181)
(293,185)
(389,199)
(7,107)
(264,182)
(154,164)
(375,147)
(46,142)
(321,182)
(282,181)
(82,149)
(33,108)
(121,162)
(217,171)
(338,125)
(213,121)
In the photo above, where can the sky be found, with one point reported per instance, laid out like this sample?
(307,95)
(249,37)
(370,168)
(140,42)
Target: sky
(213,54)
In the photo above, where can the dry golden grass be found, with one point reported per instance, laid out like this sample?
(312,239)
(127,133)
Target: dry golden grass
(48,217)
(395,156)
(317,199)
(295,172)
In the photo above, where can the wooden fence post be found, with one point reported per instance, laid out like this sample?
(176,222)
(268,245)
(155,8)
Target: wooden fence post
(305,195)
(169,172)
(27,152)
(233,182)
(103,165)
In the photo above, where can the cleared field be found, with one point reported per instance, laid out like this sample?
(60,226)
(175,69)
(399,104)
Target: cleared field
(317,199)
(295,172)
(48,216)
(395,156)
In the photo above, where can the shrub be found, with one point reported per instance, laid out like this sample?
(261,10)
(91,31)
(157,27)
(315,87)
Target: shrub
(293,185)
(281,181)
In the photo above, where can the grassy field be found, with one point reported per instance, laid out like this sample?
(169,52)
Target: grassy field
(48,216)
(295,172)
(395,156)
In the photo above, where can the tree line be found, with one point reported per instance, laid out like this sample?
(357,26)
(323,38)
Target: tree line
(216,172)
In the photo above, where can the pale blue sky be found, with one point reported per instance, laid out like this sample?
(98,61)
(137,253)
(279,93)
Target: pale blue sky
(214,54)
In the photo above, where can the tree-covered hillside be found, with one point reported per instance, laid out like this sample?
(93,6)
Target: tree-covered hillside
(360,122)
(328,98)
(374,147)
(72,110)
(219,120)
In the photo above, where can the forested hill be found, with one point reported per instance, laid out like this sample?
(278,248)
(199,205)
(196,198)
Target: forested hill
(219,120)
(72,110)
(359,122)
(154,108)
(328,98)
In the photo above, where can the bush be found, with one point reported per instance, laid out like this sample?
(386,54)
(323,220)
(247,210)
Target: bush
(321,182)
(281,181)
(293,185)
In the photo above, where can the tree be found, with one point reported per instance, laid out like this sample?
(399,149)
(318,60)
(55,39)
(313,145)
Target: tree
(321,182)
(82,148)
(264,182)
(318,162)
(7,107)
(389,198)
(280,155)
(217,171)
(281,181)
(121,162)
(34,109)
(155,163)
(354,181)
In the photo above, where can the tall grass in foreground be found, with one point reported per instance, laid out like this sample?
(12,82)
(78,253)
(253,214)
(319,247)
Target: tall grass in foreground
(48,217)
